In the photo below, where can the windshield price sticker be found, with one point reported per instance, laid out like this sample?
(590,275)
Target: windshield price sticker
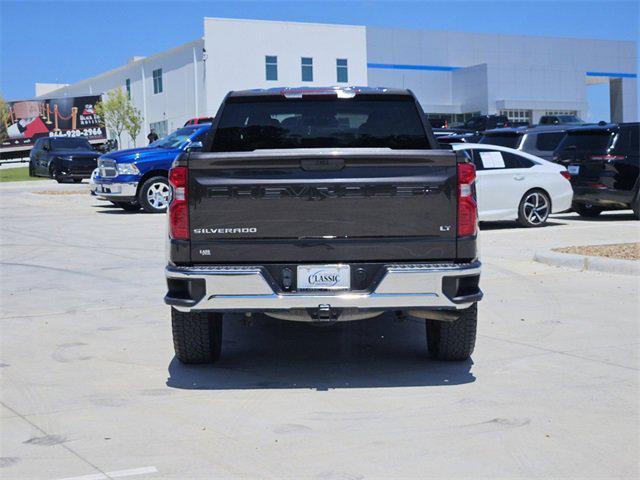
(492,159)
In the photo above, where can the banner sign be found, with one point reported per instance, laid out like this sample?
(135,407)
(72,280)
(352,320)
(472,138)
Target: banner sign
(28,120)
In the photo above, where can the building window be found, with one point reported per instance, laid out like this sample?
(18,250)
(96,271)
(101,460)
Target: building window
(342,70)
(271,66)
(562,112)
(161,128)
(157,81)
(127,85)
(307,69)
(518,116)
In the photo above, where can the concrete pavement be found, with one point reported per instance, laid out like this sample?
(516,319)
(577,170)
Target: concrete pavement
(89,385)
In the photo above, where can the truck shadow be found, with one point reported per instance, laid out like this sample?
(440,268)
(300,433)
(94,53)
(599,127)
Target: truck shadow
(273,354)
(610,216)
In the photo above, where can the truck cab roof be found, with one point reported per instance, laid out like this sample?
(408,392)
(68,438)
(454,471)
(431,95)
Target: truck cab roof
(294,92)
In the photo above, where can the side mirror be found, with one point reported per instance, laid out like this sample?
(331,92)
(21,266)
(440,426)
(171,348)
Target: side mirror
(45,148)
(194,147)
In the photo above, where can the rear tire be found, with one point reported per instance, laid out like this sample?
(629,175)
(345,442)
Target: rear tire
(154,195)
(197,337)
(129,207)
(587,210)
(453,340)
(534,209)
(77,180)
(635,206)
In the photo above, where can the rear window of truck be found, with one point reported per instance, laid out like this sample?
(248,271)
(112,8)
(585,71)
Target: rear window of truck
(256,124)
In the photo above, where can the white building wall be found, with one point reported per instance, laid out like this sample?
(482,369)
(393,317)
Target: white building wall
(523,72)
(175,104)
(471,89)
(629,98)
(236,51)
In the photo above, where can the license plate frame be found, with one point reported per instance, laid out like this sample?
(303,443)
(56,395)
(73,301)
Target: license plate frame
(319,277)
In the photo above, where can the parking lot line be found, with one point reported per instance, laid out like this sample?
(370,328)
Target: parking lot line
(117,474)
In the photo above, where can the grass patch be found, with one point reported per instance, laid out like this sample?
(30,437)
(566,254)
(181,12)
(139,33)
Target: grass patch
(18,174)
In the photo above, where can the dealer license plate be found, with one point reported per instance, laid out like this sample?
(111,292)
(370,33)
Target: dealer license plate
(574,169)
(324,277)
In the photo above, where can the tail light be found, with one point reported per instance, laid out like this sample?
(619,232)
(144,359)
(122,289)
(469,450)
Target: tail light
(607,158)
(565,174)
(178,208)
(467,206)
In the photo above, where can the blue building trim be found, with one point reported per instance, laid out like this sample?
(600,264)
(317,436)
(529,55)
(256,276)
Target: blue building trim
(442,68)
(394,66)
(612,74)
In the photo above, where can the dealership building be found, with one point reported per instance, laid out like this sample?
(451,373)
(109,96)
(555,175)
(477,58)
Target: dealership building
(454,75)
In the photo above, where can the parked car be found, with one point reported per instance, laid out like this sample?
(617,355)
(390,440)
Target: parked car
(603,161)
(137,178)
(514,185)
(561,120)
(198,121)
(538,141)
(62,158)
(322,205)
(480,123)
(542,141)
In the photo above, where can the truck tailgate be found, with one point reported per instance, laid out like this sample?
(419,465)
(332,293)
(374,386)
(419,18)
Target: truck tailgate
(319,205)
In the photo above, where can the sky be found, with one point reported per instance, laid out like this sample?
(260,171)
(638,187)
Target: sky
(67,41)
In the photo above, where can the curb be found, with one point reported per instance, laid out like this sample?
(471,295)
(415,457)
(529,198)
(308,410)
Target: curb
(583,262)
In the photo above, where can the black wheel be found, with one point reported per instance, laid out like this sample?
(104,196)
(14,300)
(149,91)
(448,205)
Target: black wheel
(55,174)
(129,207)
(197,337)
(154,195)
(534,209)
(32,172)
(77,180)
(587,210)
(453,340)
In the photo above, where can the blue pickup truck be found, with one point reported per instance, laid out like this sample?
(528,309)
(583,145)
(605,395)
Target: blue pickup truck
(137,178)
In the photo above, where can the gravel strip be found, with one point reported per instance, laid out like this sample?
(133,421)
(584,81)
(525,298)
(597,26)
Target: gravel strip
(625,251)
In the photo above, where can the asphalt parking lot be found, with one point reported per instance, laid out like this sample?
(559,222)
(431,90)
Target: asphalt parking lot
(90,388)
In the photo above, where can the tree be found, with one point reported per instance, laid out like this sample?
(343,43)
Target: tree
(133,123)
(4,119)
(114,112)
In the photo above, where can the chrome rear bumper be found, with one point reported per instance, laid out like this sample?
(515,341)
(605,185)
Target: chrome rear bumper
(247,288)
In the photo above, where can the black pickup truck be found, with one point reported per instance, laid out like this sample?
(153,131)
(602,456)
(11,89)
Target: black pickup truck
(322,205)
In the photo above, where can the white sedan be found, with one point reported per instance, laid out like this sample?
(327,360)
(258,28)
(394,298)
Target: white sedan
(515,185)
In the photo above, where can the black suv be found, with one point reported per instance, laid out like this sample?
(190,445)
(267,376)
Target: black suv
(485,122)
(561,120)
(603,161)
(62,158)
